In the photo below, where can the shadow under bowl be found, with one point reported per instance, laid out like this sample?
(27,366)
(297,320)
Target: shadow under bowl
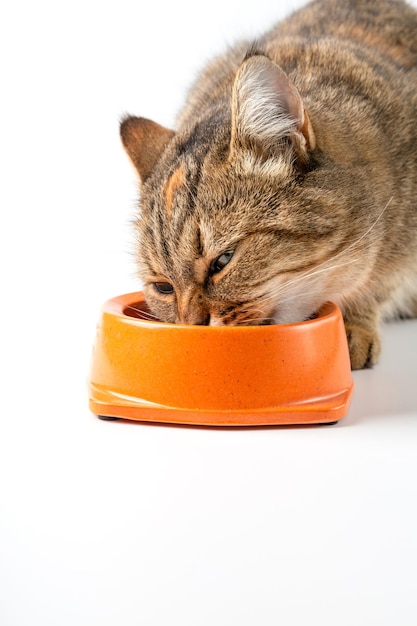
(289,374)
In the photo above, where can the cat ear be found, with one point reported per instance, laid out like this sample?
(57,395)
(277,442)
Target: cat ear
(144,142)
(266,108)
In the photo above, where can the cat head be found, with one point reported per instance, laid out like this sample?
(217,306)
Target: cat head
(232,219)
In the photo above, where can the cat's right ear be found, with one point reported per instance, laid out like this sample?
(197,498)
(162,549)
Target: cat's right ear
(144,142)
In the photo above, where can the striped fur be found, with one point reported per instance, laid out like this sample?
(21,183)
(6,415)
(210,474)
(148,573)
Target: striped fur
(291,178)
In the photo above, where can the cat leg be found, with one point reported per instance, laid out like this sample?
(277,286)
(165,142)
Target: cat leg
(363,338)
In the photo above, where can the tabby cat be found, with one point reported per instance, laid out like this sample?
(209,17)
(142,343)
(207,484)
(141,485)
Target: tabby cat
(291,178)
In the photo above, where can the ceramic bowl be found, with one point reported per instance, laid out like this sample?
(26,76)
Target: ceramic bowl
(218,376)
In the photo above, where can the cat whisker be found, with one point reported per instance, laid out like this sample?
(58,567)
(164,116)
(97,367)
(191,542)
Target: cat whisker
(312,275)
(372,226)
(254,315)
(142,313)
(321,267)
(296,296)
(259,321)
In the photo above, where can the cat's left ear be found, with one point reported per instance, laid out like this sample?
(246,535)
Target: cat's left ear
(266,109)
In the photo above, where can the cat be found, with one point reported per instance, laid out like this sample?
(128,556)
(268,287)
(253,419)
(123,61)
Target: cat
(291,178)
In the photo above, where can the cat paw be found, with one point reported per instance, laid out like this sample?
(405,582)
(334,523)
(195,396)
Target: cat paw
(364,345)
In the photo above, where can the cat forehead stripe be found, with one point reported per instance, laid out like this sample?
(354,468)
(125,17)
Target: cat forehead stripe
(176,180)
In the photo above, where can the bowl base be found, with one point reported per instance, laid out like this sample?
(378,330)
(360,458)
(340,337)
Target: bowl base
(323,411)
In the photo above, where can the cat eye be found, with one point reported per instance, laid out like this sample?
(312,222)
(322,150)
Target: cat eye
(165,289)
(221,262)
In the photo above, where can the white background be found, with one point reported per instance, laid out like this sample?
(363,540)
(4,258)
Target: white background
(126,524)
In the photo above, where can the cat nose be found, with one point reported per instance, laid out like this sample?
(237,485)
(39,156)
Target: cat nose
(200,319)
(192,308)
(196,318)
(203,320)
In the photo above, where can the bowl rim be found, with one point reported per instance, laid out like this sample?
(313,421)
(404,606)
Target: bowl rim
(118,304)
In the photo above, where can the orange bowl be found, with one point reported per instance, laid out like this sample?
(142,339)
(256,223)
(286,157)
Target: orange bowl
(218,376)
